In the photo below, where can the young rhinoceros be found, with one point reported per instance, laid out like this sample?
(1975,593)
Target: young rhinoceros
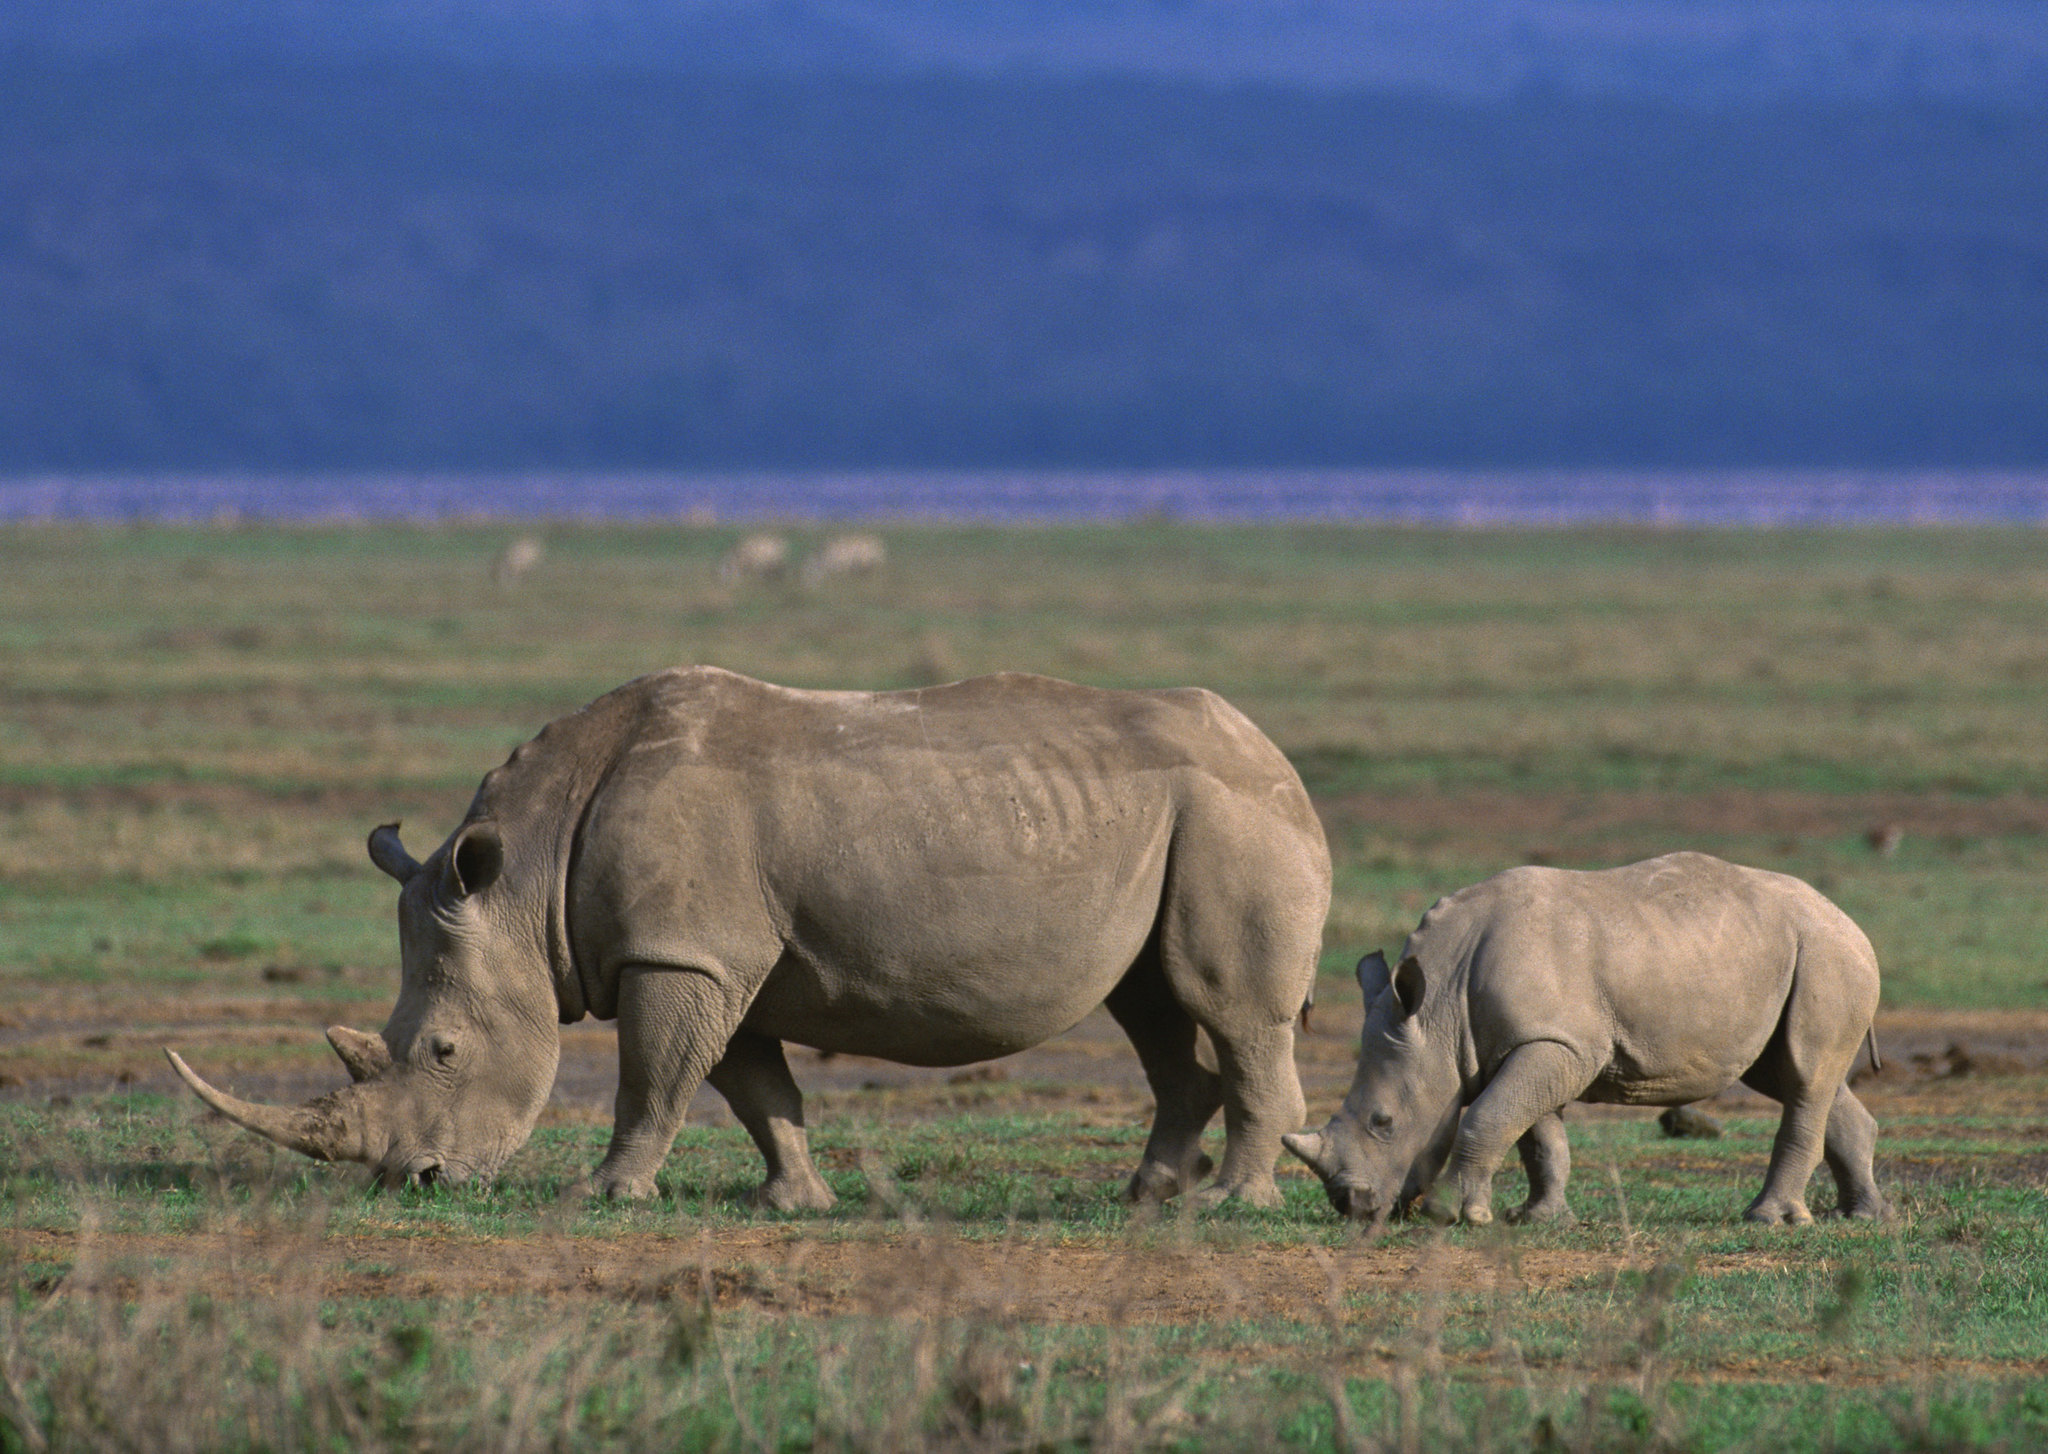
(1656,984)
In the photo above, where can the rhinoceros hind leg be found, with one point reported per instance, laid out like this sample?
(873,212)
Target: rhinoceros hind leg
(1851,1141)
(1796,1150)
(754,1078)
(1262,1101)
(1546,1154)
(1185,1091)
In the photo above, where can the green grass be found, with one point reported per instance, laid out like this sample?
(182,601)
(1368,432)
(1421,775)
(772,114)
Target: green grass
(199,725)
(1675,1323)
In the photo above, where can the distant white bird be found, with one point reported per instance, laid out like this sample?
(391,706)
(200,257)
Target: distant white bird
(754,557)
(845,555)
(516,559)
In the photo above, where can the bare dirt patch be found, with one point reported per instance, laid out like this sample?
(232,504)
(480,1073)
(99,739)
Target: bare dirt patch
(886,1271)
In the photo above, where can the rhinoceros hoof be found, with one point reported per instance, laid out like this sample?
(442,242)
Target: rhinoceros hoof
(1775,1215)
(1535,1212)
(792,1195)
(1250,1193)
(1437,1210)
(623,1188)
(1155,1182)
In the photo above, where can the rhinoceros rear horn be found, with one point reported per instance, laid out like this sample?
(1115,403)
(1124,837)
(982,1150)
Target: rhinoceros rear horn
(1310,1146)
(390,855)
(366,1056)
(333,1128)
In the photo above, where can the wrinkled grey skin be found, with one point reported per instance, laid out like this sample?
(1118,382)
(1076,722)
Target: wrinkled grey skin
(1656,984)
(935,877)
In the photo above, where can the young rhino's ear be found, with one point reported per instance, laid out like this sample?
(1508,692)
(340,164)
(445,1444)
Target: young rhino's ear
(1373,975)
(1409,985)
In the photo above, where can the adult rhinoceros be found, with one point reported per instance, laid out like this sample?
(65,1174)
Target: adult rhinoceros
(935,877)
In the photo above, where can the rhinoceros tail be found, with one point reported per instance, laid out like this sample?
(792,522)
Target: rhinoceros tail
(1870,1043)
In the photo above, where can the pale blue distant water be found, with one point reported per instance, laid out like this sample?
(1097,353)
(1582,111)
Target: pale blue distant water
(1549,497)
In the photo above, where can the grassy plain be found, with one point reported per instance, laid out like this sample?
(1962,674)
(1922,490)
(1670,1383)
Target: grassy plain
(198,725)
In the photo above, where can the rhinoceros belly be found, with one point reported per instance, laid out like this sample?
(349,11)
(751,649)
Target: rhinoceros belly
(947,970)
(1681,1037)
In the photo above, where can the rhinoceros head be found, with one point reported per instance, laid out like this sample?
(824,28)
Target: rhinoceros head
(1390,1138)
(454,1084)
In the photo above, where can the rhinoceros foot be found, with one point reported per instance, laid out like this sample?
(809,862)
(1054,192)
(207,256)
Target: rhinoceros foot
(1548,1209)
(792,1194)
(1155,1182)
(1778,1213)
(617,1187)
(1865,1209)
(1253,1192)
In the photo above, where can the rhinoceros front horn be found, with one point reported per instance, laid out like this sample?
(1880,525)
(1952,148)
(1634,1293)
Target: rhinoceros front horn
(332,1128)
(1310,1146)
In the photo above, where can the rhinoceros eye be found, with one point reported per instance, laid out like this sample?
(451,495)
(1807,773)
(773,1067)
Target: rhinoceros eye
(1379,1120)
(443,1047)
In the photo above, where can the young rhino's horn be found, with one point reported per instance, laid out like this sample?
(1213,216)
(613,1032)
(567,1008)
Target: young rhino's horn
(366,1056)
(1310,1146)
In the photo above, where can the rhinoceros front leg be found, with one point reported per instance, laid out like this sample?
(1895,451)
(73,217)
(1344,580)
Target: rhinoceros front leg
(754,1078)
(1547,1158)
(1531,1086)
(674,1025)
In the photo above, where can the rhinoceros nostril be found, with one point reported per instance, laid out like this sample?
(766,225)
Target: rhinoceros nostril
(428,1175)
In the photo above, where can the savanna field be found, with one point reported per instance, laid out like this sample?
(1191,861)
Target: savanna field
(199,725)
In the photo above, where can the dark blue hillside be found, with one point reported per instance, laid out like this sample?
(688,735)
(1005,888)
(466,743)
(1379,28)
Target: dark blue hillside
(296,265)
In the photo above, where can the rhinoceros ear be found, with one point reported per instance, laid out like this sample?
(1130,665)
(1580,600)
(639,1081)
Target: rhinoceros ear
(1409,985)
(1373,975)
(390,855)
(475,859)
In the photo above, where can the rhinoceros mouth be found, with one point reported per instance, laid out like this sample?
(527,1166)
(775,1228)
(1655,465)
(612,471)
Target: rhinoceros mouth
(1357,1201)
(421,1172)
